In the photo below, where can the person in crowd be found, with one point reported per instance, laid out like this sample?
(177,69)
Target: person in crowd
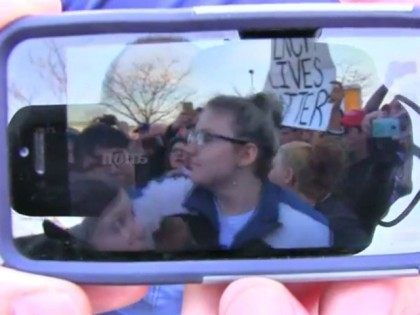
(395,71)
(231,150)
(113,121)
(109,224)
(107,119)
(103,151)
(149,145)
(178,158)
(368,182)
(403,175)
(185,122)
(153,149)
(312,170)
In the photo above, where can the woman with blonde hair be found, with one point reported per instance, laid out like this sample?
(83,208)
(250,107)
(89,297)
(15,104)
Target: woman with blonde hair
(312,170)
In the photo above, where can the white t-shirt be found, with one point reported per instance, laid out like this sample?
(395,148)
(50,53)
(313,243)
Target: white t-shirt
(230,225)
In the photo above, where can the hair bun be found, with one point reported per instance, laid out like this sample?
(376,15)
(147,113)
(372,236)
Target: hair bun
(269,104)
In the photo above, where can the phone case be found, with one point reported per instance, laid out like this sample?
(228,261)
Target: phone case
(254,21)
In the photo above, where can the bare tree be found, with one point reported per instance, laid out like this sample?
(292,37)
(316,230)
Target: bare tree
(147,93)
(20,95)
(52,68)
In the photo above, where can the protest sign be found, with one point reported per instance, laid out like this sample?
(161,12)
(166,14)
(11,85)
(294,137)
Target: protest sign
(300,74)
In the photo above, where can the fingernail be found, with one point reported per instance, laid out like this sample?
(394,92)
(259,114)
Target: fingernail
(44,303)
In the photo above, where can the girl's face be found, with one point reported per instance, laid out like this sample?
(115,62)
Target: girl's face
(118,229)
(178,156)
(280,174)
(215,160)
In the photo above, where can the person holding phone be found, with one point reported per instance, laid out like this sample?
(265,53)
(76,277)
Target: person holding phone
(25,293)
(368,182)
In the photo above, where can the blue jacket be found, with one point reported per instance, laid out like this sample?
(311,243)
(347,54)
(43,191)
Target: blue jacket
(281,220)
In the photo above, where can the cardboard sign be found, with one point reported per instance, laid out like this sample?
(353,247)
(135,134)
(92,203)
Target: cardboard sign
(300,74)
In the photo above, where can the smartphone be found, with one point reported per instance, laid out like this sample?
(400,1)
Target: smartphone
(38,153)
(386,128)
(73,206)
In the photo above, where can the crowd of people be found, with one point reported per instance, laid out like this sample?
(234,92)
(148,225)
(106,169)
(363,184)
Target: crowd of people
(231,176)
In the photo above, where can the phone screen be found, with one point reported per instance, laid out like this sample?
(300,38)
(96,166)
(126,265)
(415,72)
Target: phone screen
(162,147)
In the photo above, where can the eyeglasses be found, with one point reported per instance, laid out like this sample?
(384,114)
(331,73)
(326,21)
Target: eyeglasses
(201,137)
(177,151)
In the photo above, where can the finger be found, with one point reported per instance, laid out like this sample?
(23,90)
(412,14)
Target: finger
(11,10)
(107,298)
(308,294)
(408,292)
(24,293)
(201,299)
(259,296)
(367,121)
(367,297)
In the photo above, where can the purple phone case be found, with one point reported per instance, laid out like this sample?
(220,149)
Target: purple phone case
(296,269)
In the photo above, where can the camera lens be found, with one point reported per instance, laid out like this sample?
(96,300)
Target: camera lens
(24,152)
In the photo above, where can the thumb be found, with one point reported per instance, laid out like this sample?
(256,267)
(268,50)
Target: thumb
(259,296)
(24,293)
(11,10)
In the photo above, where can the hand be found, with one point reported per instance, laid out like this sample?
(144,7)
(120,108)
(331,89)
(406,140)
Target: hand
(24,293)
(337,96)
(263,296)
(367,121)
